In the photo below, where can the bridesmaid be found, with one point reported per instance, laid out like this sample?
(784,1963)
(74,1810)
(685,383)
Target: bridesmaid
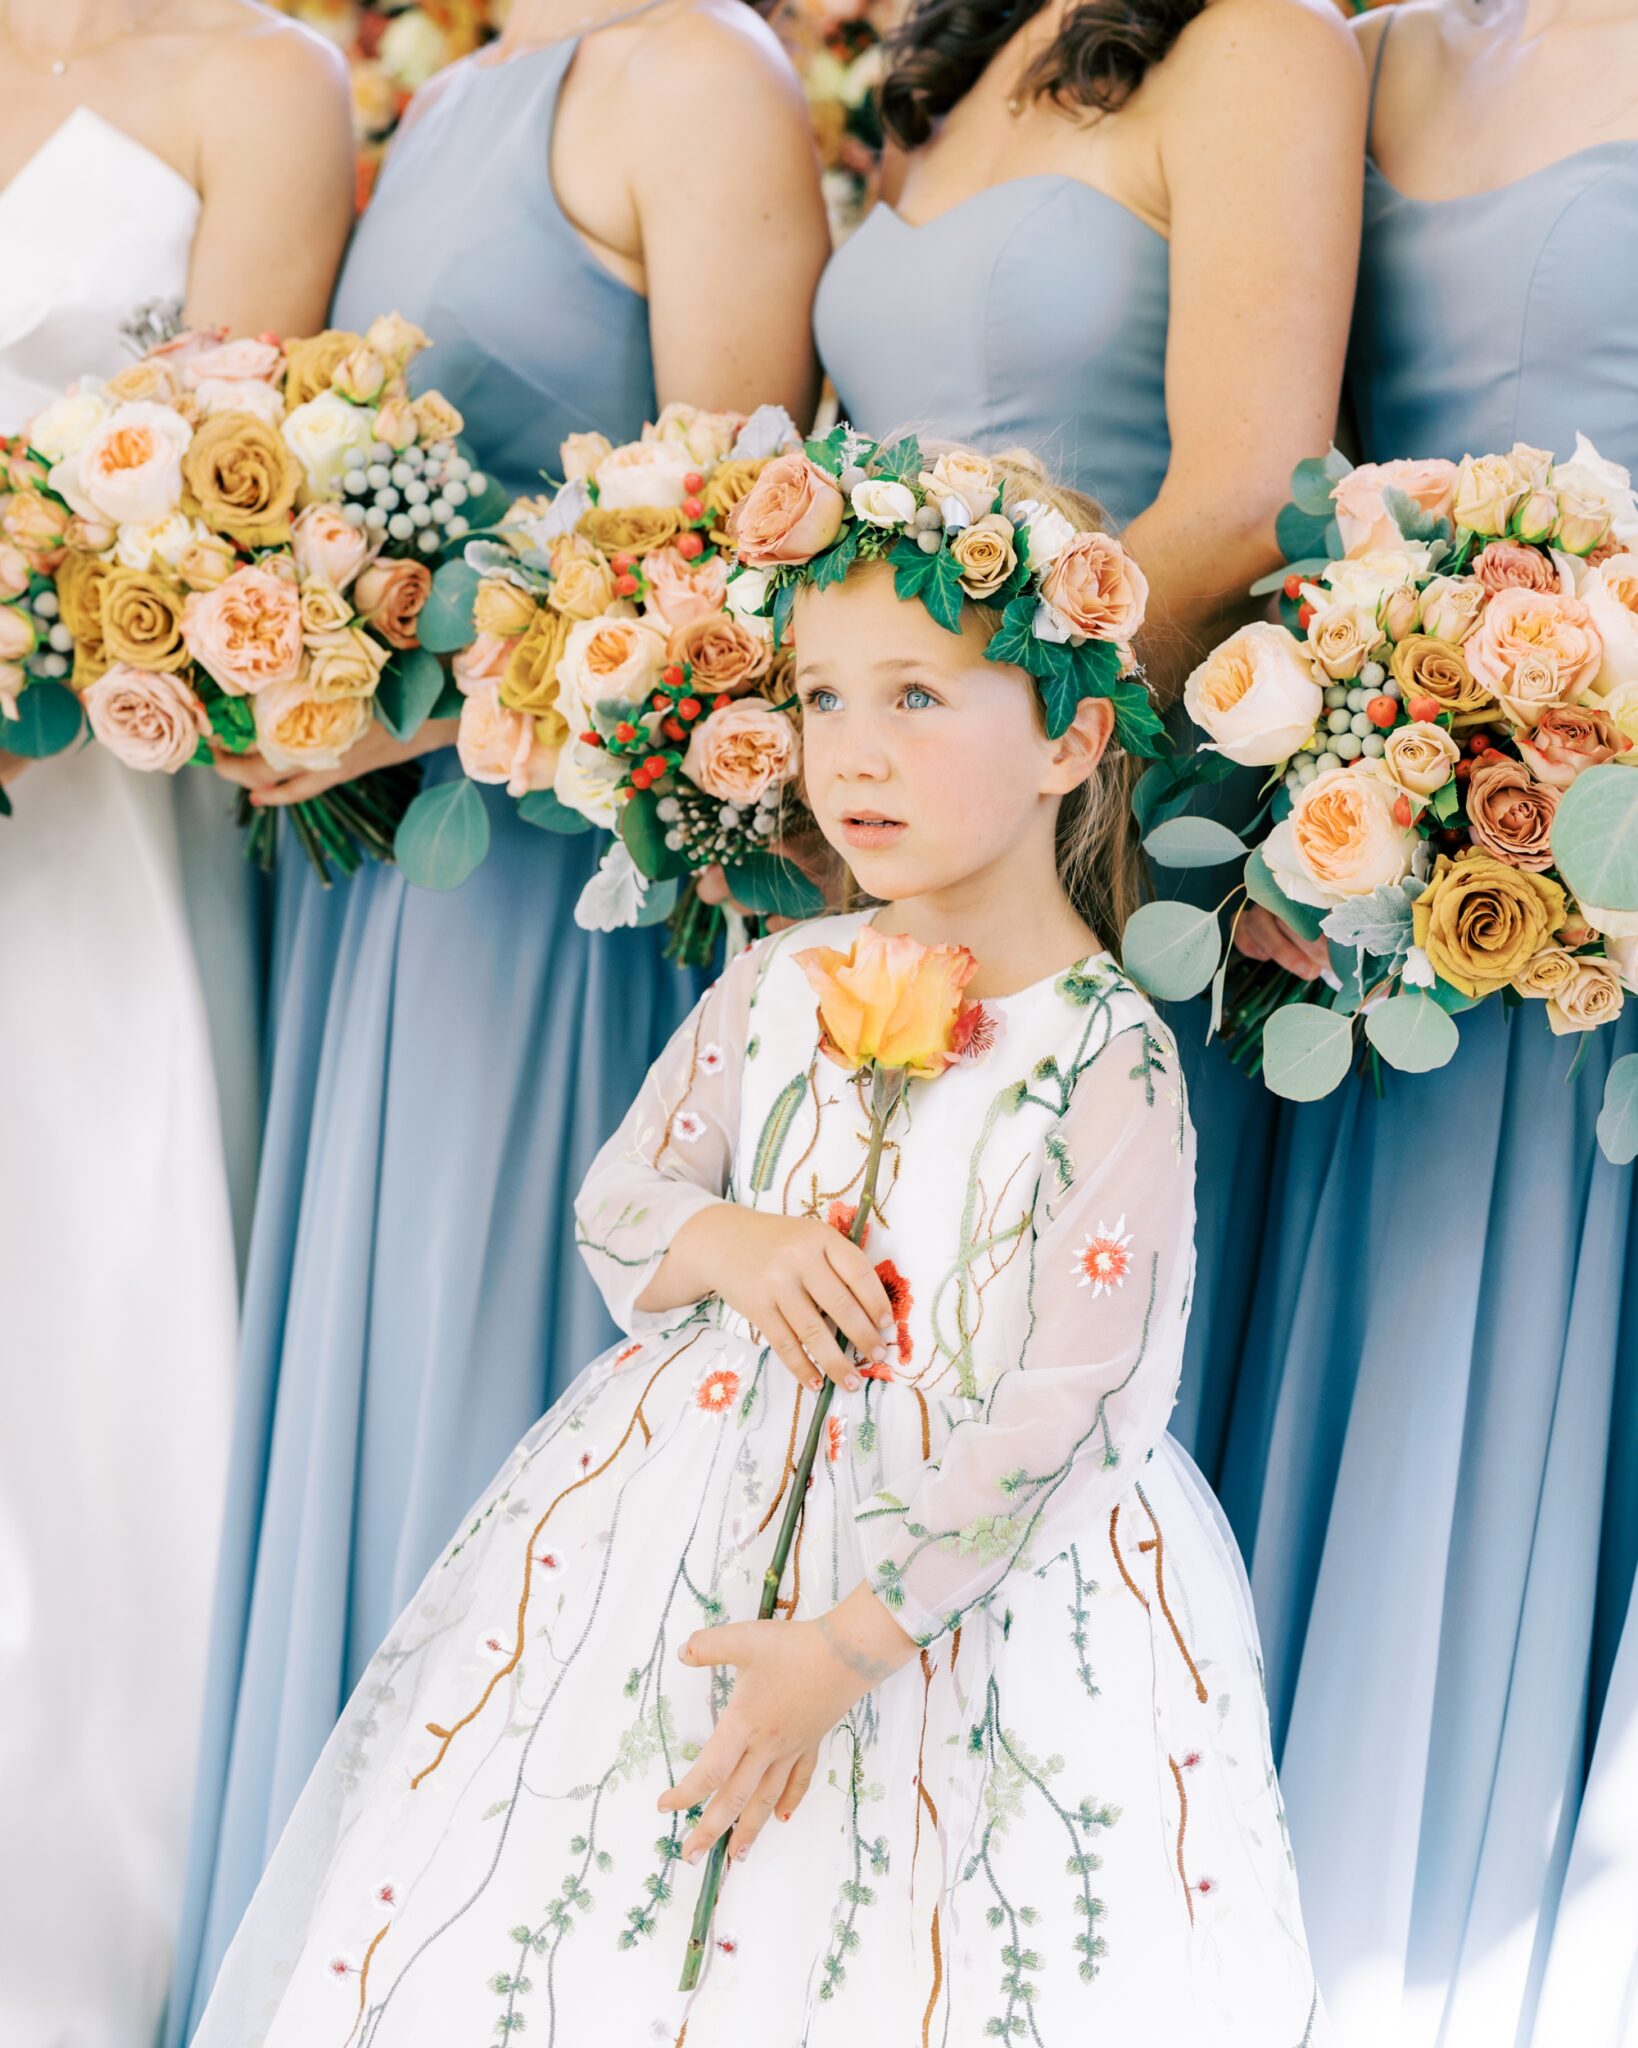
(1124,234)
(606,210)
(197,153)
(1430,1458)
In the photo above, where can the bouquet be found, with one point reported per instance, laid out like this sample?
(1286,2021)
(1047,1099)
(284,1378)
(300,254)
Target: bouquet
(1449,716)
(838,49)
(610,681)
(227,547)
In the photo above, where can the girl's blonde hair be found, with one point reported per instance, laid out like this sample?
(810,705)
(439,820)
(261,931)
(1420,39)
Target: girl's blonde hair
(1100,854)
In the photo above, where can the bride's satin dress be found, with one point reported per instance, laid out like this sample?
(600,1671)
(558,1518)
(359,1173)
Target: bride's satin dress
(126,948)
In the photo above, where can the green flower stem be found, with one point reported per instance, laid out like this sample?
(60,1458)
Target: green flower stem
(887,1084)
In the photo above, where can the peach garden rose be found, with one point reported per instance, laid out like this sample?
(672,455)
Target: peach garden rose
(1098,588)
(501,746)
(128,470)
(246,633)
(147,719)
(1342,837)
(743,752)
(792,512)
(1363,519)
(1257,695)
(296,730)
(1533,649)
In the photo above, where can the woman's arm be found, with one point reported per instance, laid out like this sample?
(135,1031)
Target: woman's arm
(277,180)
(1263,152)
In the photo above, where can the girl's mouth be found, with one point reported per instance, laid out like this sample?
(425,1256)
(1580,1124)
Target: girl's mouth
(867,829)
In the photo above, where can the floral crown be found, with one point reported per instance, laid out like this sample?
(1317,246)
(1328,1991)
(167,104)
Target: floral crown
(1070,601)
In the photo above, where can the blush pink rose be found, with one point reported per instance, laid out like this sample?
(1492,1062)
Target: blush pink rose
(246,633)
(1533,649)
(742,752)
(498,745)
(1364,521)
(1098,588)
(390,594)
(146,719)
(685,591)
(1568,739)
(327,548)
(791,513)
(257,362)
(1511,565)
(482,663)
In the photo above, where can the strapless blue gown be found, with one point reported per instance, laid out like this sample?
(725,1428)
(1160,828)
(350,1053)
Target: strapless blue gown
(1429,1463)
(999,342)
(443,1068)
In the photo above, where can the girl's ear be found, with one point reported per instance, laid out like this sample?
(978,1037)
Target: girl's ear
(1074,757)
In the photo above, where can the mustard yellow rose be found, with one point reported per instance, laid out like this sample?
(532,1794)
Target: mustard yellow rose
(244,477)
(1481,922)
(142,620)
(729,483)
(584,583)
(530,683)
(310,364)
(1425,667)
(80,584)
(887,1001)
(501,608)
(631,530)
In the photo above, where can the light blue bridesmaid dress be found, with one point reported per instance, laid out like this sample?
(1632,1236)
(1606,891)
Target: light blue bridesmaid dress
(1000,342)
(1430,1458)
(443,1067)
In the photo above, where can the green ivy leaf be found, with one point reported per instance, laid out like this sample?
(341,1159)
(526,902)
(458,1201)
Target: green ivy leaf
(934,578)
(1014,638)
(834,563)
(900,460)
(827,452)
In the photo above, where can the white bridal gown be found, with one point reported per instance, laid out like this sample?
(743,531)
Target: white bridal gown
(117,1265)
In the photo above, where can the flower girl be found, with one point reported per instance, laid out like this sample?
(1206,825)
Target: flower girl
(999,1764)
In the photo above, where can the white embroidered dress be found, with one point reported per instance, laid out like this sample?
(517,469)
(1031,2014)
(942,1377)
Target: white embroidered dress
(1060,1824)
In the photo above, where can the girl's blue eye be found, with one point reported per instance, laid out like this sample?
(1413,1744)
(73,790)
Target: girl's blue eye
(918,699)
(820,699)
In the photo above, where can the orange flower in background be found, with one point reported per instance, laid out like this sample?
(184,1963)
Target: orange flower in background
(889,1001)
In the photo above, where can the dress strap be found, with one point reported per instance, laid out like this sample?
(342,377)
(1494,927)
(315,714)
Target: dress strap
(1376,74)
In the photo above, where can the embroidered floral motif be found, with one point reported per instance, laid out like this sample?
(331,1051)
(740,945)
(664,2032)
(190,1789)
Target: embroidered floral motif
(711,1060)
(840,1216)
(688,1127)
(1105,1259)
(835,1437)
(899,1301)
(977,1033)
(717,1391)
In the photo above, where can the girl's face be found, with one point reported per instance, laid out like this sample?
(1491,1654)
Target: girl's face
(926,766)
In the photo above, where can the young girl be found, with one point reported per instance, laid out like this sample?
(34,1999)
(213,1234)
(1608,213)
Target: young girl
(1012,1725)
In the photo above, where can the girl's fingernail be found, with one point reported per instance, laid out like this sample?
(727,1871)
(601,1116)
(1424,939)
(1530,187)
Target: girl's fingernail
(853,1383)
(784,1816)
(741,1854)
(886,1329)
(691,1855)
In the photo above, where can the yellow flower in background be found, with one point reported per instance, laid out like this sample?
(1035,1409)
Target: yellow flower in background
(888,1001)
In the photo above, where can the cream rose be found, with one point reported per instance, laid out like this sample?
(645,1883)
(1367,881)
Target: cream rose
(497,745)
(1622,954)
(221,394)
(1545,973)
(65,425)
(580,455)
(1341,838)
(882,501)
(396,340)
(1534,649)
(435,418)
(326,546)
(1452,607)
(128,469)
(147,719)
(1043,534)
(246,633)
(1098,588)
(18,635)
(328,437)
(323,608)
(1364,521)
(968,478)
(1256,695)
(347,663)
(1599,488)
(142,547)
(1592,997)
(641,474)
(742,752)
(413,49)
(707,437)
(296,730)
(1421,758)
(1369,580)
(1340,639)
(1610,593)
(587,780)
(1488,491)
(748,593)
(1620,707)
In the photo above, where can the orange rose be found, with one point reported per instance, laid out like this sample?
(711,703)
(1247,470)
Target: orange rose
(743,753)
(887,1001)
(722,654)
(389,595)
(685,591)
(791,513)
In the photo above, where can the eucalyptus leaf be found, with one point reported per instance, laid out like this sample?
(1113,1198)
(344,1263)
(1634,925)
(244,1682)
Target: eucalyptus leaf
(1307,1051)
(411,684)
(445,623)
(1312,483)
(1298,533)
(1193,843)
(443,836)
(1348,967)
(1618,1119)
(543,808)
(1219,985)
(1171,950)
(1595,837)
(774,887)
(1309,567)
(1262,888)
(48,719)
(1413,1033)
(659,901)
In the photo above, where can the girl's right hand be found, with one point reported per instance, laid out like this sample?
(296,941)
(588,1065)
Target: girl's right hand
(11,766)
(1260,935)
(785,1275)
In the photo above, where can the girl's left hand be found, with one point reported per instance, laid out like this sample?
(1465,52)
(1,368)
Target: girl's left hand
(794,1680)
(377,749)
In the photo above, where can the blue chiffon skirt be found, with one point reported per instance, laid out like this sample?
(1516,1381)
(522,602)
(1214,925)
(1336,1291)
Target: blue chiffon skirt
(1429,1470)
(443,1069)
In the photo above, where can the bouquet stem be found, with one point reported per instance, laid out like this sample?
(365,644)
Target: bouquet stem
(887,1084)
(341,828)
